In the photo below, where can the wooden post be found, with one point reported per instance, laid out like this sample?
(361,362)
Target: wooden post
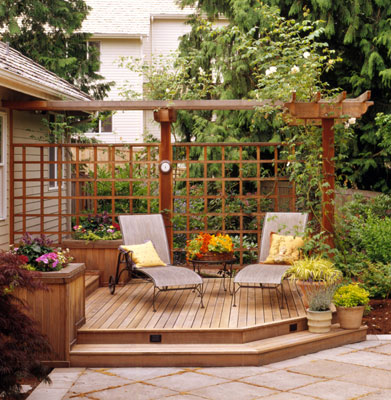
(11,177)
(328,188)
(166,116)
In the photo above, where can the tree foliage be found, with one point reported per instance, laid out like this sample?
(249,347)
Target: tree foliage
(359,31)
(47,32)
(22,346)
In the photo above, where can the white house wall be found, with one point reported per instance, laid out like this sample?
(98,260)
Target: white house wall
(127,125)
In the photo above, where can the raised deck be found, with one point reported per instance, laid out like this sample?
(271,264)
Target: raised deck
(123,330)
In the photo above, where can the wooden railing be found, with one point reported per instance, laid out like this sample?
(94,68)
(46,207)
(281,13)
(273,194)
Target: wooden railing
(217,187)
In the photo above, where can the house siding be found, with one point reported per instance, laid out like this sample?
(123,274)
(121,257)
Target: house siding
(28,127)
(127,125)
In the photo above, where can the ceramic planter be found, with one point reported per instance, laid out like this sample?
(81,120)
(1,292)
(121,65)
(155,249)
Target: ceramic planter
(306,287)
(350,317)
(319,321)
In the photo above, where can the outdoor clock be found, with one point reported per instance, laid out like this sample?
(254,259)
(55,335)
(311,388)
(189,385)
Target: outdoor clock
(165,166)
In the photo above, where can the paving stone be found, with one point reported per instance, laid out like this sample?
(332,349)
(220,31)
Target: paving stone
(92,380)
(47,394)
(281,380)
(135,391)
(289,396)
(383,337)
(234,372)
(233,391)
(183,396)
(329,353)
(374,377)
(380,395)
(365,358)
(362,345)
(383,349)
(326,368)
(334,390)
(186,382)
(143,374)
(290,362)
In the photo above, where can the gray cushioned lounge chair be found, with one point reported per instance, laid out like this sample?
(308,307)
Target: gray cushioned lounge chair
(138,229)
(270,275)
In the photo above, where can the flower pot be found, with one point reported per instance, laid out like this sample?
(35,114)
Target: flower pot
(214,256)
(350,317)
(306,287)
(319,321)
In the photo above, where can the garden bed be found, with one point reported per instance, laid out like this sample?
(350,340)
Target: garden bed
(379,319)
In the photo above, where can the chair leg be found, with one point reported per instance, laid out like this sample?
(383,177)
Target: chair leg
(200,289)
(234,293)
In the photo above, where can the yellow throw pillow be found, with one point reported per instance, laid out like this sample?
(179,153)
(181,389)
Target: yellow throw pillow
(284,249)
(144,255)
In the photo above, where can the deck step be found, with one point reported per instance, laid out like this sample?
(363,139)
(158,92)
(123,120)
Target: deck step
(191,335)
(91,282)
(258,352)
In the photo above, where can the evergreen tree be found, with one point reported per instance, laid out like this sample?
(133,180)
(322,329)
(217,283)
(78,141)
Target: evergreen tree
(47,32)
(360,33)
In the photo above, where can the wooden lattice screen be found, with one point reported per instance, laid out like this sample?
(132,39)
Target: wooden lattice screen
(217,188)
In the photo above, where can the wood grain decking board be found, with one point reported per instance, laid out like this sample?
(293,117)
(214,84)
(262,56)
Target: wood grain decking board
(131,307)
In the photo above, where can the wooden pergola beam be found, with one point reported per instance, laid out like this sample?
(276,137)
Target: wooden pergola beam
(324,111)
(318,109)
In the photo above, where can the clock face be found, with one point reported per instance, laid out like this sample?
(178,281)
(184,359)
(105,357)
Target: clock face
(165,166)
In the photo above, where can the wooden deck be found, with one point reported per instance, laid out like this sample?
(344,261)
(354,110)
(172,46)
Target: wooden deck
(122,329)
(131,308)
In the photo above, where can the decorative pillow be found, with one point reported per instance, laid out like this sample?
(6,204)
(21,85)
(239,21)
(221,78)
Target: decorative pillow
(144,255)
(284,249)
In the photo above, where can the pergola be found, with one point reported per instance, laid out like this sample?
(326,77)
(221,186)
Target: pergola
(320,111)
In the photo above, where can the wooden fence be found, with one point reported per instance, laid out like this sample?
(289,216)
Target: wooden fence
(217,187)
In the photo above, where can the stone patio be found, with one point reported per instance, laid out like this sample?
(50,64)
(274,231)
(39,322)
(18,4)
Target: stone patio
(361,370)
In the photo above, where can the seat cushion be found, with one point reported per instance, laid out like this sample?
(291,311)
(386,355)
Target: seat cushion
(284,249)
(144,255)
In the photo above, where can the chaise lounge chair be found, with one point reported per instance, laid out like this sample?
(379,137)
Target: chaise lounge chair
(270,275)
(139,229)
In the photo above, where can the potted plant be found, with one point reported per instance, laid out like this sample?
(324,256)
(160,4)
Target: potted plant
(319,313)
(209,247)
(95,241)
(39,254)
(313,271)
(351,301)
(98,227)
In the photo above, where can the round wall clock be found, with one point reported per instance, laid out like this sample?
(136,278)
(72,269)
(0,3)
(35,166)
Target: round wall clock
(165,166)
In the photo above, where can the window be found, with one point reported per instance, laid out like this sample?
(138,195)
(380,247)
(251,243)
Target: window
(53,157)
(3,166)
(104,124)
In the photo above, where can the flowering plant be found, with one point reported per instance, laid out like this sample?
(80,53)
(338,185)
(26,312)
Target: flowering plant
(97,227)
(204,243)
(39,254)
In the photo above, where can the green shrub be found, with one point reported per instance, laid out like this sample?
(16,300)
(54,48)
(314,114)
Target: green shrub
(376,279)
(351,296)
(363,234)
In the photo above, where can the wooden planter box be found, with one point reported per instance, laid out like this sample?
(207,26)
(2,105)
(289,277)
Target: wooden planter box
(99,255)
(60,310)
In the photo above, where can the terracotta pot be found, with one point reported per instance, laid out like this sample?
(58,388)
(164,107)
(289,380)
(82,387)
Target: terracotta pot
(350,317)
(319,321)
(305,287)
(214,256)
